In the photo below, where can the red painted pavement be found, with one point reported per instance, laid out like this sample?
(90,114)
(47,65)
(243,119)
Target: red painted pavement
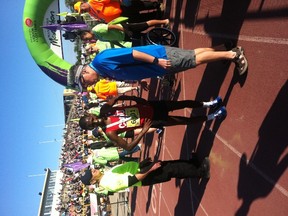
(248,150)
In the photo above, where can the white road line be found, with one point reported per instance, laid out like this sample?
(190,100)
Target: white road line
(262,174)
(164,149)
(165,203)
(203,209)
(257,39)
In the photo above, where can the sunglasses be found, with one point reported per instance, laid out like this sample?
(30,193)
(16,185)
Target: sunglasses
(82,79)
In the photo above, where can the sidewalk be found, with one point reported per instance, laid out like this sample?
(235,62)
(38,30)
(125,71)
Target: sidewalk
(119,204)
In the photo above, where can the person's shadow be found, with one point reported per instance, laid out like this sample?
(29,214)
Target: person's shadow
(156,92)
(258,176)
(223,29)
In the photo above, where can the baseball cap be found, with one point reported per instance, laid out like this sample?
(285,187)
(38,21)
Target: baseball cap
(77,80)
(86,177)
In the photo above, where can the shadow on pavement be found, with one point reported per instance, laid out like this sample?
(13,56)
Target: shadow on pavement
(199,139)
(258,176)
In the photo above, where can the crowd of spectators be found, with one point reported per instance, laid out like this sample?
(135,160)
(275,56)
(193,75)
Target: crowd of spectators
(74,197)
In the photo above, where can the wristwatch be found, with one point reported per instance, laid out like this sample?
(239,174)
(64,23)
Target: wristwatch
(156,60)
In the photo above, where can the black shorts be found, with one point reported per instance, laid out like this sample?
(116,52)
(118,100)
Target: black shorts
(160,113)
(129,134)
(135,28)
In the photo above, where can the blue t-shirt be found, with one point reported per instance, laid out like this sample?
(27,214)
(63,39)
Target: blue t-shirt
(119,64)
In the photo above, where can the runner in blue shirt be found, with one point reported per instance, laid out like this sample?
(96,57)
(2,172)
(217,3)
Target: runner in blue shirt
(151,61)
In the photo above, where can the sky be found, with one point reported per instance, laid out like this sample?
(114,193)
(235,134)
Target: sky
(32,117)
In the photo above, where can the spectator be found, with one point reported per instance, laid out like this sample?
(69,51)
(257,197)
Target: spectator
(108,10)
(93,49)
(120,32)
(106,89)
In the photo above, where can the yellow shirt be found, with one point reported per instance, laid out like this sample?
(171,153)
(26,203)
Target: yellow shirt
(104,88)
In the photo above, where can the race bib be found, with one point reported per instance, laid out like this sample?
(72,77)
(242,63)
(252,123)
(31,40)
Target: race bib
(133,113)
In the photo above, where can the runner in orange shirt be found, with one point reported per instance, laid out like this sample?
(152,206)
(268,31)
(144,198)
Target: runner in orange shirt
(100,9)
(105,89)
(107,10)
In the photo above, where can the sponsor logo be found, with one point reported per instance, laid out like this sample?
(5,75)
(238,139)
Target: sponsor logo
(28,22)
(51,35)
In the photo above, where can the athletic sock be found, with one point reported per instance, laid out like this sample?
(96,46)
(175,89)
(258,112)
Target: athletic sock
(210,103)
(211,117)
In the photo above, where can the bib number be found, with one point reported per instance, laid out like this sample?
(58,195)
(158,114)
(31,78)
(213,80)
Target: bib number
(135,117)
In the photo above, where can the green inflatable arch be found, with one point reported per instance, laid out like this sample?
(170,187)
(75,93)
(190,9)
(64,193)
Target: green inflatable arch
(36,14)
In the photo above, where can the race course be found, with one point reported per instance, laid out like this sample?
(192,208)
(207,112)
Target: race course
(248,149)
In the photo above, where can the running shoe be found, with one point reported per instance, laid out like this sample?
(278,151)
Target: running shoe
(220,113)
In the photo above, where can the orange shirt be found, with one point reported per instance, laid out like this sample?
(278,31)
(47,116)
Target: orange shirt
(105,9)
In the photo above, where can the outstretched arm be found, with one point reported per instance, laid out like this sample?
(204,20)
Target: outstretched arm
(132,98)
(141,176)
(115,27)
(127,97)
(123,143)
